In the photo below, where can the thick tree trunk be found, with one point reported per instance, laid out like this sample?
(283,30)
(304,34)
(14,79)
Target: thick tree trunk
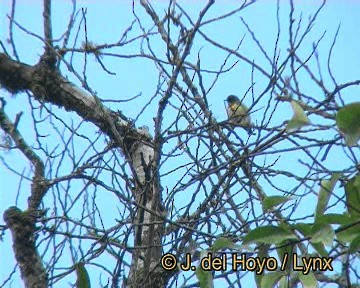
(22,227)
(137,146)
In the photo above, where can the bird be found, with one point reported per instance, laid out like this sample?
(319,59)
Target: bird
(238,113)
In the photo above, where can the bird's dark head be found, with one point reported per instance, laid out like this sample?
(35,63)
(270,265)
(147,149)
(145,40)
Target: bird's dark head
(232,99)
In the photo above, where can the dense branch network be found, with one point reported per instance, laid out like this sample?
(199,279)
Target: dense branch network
(188,182)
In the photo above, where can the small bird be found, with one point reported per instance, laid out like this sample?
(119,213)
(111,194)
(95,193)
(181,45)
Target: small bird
(238,113)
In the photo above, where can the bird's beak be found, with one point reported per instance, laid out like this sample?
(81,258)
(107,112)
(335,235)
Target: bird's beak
(226,104)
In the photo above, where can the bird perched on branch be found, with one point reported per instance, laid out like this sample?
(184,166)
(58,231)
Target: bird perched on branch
(238,113)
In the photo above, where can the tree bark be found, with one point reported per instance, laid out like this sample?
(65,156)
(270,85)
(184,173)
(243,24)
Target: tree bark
(49,86)
(22,227)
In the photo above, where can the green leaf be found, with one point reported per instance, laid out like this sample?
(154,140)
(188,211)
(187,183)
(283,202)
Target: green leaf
(286,247)
(303,228)
(322,233)
(283,282)
(333,218)
(269,280)
(320,249)
(347,233)
(222,243)
(258,279)
(355,245)
(263,250)
(308,280)
(83,280)
(327,187)
(352,192)
(307,231)
(299,118)
(205,278)
(268,235)
(272,201)
(348,122)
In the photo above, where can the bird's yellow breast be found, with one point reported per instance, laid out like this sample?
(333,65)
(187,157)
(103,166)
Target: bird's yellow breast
(234,107)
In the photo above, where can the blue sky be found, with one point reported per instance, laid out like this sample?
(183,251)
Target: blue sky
(107,22)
